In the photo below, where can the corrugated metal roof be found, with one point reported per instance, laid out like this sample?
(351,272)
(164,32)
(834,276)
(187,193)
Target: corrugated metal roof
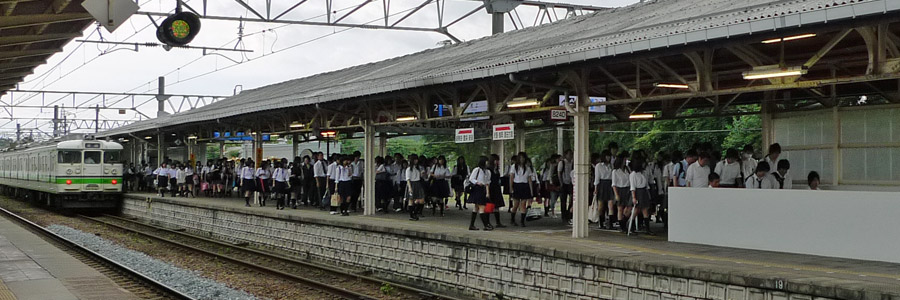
(640,27)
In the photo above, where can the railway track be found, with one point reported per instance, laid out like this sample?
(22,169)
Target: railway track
(269,263)
(127,278)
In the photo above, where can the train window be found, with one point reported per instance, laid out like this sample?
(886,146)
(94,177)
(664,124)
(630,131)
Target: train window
(111,157)
(69,157)
(91,157)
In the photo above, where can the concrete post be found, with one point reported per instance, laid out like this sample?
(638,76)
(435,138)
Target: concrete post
(582,166)
(369,169)
(222,150)
(382,144)
(295,146)
(160,148)
(201,153)
(560,140)
(161,97)
(497,22)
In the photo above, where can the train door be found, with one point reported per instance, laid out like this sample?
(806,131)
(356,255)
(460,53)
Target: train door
(92,171)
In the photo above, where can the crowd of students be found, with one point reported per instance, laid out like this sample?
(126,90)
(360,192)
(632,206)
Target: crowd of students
(622,183)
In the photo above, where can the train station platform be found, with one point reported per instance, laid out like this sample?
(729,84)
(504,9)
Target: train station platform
(540,261)
(32,268)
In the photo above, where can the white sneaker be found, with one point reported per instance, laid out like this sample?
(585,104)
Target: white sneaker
(333,212)
(398,210)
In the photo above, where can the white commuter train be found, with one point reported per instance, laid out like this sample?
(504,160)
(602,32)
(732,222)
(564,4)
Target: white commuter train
(65,174)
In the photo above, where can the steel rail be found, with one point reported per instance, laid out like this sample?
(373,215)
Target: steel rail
(97,256)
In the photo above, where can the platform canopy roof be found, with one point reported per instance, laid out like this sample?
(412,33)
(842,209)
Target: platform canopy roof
(642,27)
(33,30)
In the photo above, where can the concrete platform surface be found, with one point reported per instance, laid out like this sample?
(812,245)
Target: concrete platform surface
(32,268)
(653,254)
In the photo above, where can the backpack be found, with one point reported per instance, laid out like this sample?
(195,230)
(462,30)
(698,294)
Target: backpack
(682,172)
(468,185)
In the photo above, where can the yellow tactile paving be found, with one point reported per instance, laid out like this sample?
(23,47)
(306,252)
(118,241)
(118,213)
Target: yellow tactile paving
(5,293)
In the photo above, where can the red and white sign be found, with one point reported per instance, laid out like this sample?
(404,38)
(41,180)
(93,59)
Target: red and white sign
(504,132)
(558,115)
(465,135)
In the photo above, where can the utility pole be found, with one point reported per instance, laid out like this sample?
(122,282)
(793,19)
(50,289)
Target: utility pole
(18,133)
(161,97)
(56,121)
(97,119)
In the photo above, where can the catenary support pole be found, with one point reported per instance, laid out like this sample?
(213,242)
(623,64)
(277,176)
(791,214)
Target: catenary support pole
(560,140)
(369,169)
(582,165)
(295,146)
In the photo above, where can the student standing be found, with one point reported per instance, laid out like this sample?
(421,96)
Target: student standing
(781,175)
(621,183)
(180,179)
(331,172)
(162,178)
(263,182)
(309,192)
(522,177)
(440,188)
(382,184)
(603,190)
(458,175)
(319,177)
(680,171)
(358,168)
(730,169)
(480,179)
(761,179)
(345,185)
(282,191)
(697,175)
(494,188)
(296,182)
(415,191)
(565,175)
(552,184)
(189,179)
(772,157)
(748,163)
(640,193)
(812,181)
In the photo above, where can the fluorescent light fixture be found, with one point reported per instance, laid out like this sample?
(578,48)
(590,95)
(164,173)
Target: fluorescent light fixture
(253,133)
(671,86)
(642,116)
(297,125)
(174,134)
(124,140)
(192,137)
(148,137)
(522,102)
(773,72)
(273,135)
(406,118)
(328,133)
(789,38)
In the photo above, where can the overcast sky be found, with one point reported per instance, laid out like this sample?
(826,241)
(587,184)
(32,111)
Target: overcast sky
(299,51)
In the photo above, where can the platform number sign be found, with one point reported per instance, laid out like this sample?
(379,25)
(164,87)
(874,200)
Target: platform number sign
(465,135)
(504,132)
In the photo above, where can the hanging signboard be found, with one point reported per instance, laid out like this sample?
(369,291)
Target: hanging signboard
(465,135)
(504,132)
(558,115)
(593,109)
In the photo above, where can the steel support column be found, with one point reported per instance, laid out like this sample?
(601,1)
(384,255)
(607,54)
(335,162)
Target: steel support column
(369,168)
(582,165)
(382,144)
(161,97)
(295,146)
(160,148)
(560,140)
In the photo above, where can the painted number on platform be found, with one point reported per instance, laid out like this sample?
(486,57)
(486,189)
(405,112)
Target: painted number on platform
(779,284)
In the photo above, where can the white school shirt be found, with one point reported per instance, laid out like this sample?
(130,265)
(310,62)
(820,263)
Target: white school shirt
(565,167)
(440,172)
(380,169)
(179,176)
(773,165)
(767,182)
(262,173)
(455,171)
(620,178)
(546,173)
(602,172)
(281,175)
(697,176)
(319,169)
(729,173)
(188,171)
(788,182)
(343,173)
(413,173)
(677,172)
(637,180)
(330,171)
(204,170)
(358,168)
(749,167)
(172,172)
(161,172)
(520,175)
(395,172)
(668,172)
(246,173)
(480,176)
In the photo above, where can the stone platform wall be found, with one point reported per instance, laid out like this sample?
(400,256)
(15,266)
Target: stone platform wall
(442,265)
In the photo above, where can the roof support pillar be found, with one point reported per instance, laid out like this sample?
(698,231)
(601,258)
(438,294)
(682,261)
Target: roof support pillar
(382,144)
(582,162)
(369,169)
(497,22)
(161,97)
(160,148)
(295,146)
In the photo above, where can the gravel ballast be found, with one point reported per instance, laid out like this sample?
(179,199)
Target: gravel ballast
(186,281)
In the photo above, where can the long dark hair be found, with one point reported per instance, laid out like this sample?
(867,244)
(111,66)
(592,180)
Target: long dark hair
(620,162)
(482,162)
(461,166)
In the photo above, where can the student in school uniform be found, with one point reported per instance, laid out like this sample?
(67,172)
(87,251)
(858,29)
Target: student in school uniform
(281,188)
(248,181)
(332,183)
(188,180)
(729,169)
(748,163)
(458,175)
(680,170)
(382,184)
(495,189)
(295,180)
(521,180)
(479,196)
(400,196)
(180,179)
(565,175)
(345,185)
(812,181)
(358,167)
(621,183)
(415,191)
(162,178)
(551,185)
(761,179)
(640,193)
(782,176)
(714,180)
(263,182)
(603,190)
(309,192)
(173,179)
(697,175)
(320,178)
(664,179)
(773,156)
(440,188)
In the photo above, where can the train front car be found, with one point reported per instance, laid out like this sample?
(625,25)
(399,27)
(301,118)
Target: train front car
(88,174)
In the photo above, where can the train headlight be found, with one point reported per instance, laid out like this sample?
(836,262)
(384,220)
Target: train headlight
(69,171)
(77,171)
(69,181)
(105,171)
(114,181)
(114,171)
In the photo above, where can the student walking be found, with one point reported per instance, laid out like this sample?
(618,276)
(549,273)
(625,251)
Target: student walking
(479,195)
(248,184)
(458,175)
(415,191)
(621,183)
